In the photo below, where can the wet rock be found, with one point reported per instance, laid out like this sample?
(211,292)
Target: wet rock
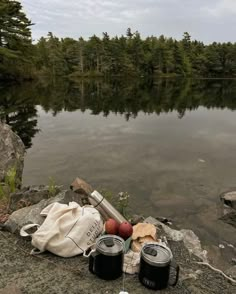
(228,209)
(30,195)
(189,238)
(31,214)
(229,198)
(164,220)
(230,217)
(136,219)
(12,153)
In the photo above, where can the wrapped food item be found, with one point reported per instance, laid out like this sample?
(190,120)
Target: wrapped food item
(142,229)
(143,233)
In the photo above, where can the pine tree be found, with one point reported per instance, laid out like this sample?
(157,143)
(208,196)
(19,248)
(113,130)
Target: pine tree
(15,40)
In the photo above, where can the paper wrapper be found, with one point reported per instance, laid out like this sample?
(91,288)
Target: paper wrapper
(142,230)
(143,233)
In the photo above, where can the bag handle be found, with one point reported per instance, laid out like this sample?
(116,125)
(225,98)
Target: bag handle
(85,254)
(174,266)
(35,251)
(23,232)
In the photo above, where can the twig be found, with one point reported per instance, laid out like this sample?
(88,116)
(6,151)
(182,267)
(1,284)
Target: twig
(42,258)
(216,270)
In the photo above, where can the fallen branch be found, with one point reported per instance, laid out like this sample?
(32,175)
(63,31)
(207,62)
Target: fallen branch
(216,270)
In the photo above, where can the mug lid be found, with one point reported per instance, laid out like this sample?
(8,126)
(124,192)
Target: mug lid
(156,254)
(110,245)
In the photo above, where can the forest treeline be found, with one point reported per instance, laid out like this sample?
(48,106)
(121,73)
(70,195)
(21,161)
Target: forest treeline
(126,55)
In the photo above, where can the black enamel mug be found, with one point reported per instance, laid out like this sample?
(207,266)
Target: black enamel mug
(156,267)
(106,260)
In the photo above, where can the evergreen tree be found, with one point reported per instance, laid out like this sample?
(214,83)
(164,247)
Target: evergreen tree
(15,41)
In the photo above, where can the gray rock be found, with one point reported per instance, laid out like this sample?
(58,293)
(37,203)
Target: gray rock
(189,238)
(12,153)
(51,274)
(230,218)
(228,209)
(229,198)
(30,195)
(31,214)
(136,219)
(11,290)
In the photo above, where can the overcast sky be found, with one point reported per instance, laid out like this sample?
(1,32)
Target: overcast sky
(205,20)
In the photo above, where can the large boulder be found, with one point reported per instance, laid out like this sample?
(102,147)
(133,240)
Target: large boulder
(12,152)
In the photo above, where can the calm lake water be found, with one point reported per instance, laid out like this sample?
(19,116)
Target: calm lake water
(170,144)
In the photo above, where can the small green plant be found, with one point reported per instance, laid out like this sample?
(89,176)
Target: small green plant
(2,194)
(107,194)
(52,187)
(120,201)
(123,203)
(6,188)
(11,180)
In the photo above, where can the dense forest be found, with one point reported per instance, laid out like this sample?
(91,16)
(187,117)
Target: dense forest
(126,55)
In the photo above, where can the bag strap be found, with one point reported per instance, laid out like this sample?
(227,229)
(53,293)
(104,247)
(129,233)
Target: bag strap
(35,251)
(23,232)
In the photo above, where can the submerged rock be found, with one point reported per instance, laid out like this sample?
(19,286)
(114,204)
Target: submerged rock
(12,153)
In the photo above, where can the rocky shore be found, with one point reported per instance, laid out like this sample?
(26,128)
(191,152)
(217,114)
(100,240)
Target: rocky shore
(21,272)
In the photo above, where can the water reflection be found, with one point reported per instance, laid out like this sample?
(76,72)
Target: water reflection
(129,97)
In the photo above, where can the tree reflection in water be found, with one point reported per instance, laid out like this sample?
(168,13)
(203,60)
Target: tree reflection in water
(127,97)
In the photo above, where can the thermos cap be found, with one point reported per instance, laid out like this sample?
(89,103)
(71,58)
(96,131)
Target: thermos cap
(156,254)
(110,245)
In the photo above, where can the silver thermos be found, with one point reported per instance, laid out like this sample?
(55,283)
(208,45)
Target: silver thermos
(104,207)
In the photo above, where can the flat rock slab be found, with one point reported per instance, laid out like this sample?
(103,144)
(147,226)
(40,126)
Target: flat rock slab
(50,274)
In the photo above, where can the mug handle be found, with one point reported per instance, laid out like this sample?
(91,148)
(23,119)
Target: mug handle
(92,257)
(176,268)
(91,264)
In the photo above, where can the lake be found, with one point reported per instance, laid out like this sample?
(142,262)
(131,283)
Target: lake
(170,144)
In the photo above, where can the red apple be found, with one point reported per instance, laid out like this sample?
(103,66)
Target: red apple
(125,230)
(111,226)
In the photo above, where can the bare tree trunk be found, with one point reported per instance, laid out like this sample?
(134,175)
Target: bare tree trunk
(81,60)
(97,63)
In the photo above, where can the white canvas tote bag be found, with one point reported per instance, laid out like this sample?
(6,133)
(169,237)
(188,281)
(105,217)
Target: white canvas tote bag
(68,230)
